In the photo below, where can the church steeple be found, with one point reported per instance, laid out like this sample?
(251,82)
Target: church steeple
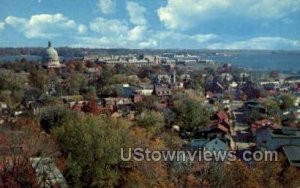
(174,76)
(49,44)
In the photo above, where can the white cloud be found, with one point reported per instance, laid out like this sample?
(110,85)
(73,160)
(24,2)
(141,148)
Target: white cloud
(198,38)
(108,26)
(183,14)
(113,42)
(2,24)
(114,33)
(201,38)
(273,8)
(136,13)
(148,44)
(107,6)
(82,29)
(263,43)
(136,33)
(44,25)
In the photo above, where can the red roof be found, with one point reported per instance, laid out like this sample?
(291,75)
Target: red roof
(262,123)
(222,115)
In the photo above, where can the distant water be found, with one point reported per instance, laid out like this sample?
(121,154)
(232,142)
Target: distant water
(258,60)
(19,57)
(282,61)
(12,58)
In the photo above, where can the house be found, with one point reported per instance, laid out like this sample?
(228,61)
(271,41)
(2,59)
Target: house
(114,101)
(216,145)
(262,123)
(144,89)
(126,91)
(269,85)
(220,99)
(292,153)
(196,144)
(162,90)
(292,80)
(253,105)
(215,130)
(177,85)
(273,139)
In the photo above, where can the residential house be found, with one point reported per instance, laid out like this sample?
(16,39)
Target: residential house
(270,85)
(292,80)
(177,85)
(216,145)
(144,89)
(162,90)
(273,139)
(292,153)
(253,105)
(262,123)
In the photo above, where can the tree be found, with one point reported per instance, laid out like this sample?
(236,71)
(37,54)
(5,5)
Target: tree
(92,147)
(21,175)
(286,102)
(76,83)
(253,116)
(148,102)
(54,117)
(11,88)
(151,120)
(189,114)
(28,141)
(39,79)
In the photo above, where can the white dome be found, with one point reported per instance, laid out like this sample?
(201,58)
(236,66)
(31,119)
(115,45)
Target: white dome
(51,58)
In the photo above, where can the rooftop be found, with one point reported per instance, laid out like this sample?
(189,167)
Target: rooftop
(292,152)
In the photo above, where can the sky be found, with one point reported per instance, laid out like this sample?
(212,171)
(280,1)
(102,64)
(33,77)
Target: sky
(153,24)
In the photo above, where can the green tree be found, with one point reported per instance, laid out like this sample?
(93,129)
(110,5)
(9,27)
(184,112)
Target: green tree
(286,102)
(93,147)
(151,120)
(54,117)
(273,107)
(253,116)
(11,88)
(189,114)
(39,79)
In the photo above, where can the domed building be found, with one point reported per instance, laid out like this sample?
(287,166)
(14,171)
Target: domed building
(51,58)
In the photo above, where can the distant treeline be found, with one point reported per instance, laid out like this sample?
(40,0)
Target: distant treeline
(77,52)
(80,52)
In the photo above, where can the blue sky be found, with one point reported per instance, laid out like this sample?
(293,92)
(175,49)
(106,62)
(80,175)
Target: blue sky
(195,24)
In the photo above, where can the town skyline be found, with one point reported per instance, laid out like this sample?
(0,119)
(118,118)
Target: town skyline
(168,24)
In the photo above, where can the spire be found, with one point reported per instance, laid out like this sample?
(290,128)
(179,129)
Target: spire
(49,44)
(174,76)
